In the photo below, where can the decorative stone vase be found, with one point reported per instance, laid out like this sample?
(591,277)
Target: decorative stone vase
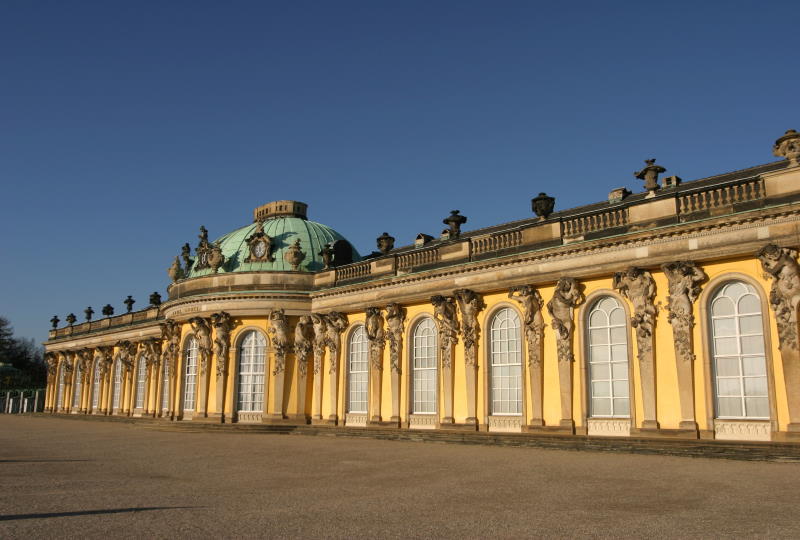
(294,255)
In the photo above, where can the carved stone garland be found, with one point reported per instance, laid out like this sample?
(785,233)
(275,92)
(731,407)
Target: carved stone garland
(784,296)
(470,304)
(684,279)
(377,338)
(638,286)
(566,297)
(279,335)
(395,320)
(303,343)
(531,302)
(444,313)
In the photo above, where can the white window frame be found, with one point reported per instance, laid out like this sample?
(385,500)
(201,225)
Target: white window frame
(165,384)
(740,356)
(358,371)
(60,389)
(117,384)
(96,385)
(251,365)
(618,385)
(505,364)
(76,392)
(190,374)
(141,381)
(424,367)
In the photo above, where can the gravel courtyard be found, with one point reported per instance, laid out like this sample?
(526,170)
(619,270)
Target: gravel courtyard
(71,478)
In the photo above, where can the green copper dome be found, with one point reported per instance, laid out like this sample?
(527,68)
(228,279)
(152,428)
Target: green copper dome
(283,230)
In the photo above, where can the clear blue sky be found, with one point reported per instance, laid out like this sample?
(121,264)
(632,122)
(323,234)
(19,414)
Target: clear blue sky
(124,126)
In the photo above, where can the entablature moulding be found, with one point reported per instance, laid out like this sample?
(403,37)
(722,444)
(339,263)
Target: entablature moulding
(716,239)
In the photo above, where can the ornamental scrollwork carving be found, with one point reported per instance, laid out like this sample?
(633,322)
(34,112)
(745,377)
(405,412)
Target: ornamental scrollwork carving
(152,351)
(470,304)
(376,337)
(223,324)
(319,326)
(260,244)
(395,320)
(684,278)
(566,297)
(444,313)
(303,343)
(202,335)
(104,356)
(781,265)
(335,323)
(638,286)
(279,335)
(126,351)
(531,302)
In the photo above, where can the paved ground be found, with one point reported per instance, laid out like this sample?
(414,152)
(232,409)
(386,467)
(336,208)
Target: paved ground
(69,478)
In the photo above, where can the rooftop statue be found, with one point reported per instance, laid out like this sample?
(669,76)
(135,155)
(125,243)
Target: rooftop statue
(454,221)
(650,174)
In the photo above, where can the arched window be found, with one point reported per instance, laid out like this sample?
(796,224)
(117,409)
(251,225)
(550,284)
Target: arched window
(740,367)
(61,382)
(96,385)
(423,363)
(506,363)
(357,371)
(165,385)
(609,389)
(141,381)
(250,370)
(76,392)
(117,384)
(189,374)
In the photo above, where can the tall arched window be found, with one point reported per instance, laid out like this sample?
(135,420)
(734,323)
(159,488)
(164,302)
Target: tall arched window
(117,384)
(76,392)
(189,373)
(61,382)
(609,389)
(96,385)
(506,363)
(250,370)
(141,381)
(357,371)
(423,363)
(740,367)
(165,384)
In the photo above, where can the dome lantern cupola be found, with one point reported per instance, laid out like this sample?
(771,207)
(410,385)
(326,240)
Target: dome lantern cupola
(281,209)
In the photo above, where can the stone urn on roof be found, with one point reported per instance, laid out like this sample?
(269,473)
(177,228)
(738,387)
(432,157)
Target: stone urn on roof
(294,255)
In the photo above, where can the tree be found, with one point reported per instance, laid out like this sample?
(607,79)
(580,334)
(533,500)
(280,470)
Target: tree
(21,358)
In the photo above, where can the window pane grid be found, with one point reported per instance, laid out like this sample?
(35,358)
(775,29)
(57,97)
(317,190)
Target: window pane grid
(609,395)
(61,382)
(424,368)
(165,385)
(506,363)
(357,372)
(190,374)
(117,383)
(141,381)
(76,395)
(740,381)
(251,362)
(96,386)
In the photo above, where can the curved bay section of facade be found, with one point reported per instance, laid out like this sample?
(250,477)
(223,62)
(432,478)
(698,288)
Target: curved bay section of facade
(673,315)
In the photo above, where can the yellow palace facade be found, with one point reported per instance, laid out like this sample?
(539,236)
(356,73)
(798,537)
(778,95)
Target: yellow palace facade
(666,313)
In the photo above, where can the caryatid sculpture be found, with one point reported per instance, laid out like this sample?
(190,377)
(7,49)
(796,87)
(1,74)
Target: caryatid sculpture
(303,342)
(319,336)
(470,304)
(279,335)
(684,278)
(335,324)
(126,351)
(202,334)
(566,297)
(223,324)
(395,321)
(444,313)
(376,337)
(533,322)
(638,286)
(784,296)
(171,336)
